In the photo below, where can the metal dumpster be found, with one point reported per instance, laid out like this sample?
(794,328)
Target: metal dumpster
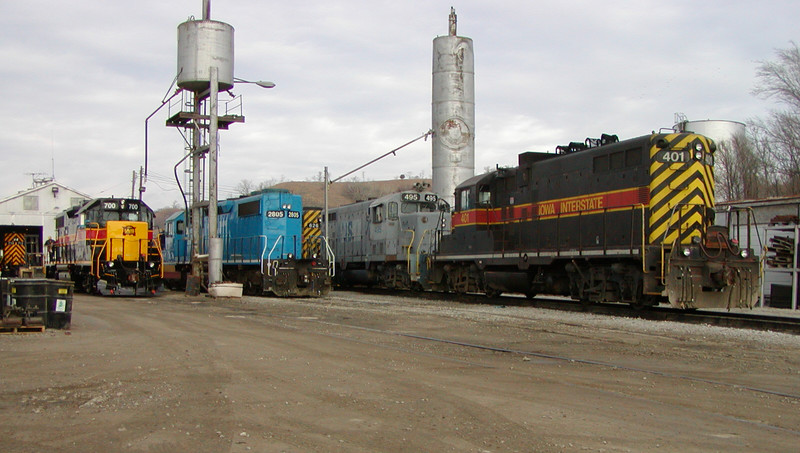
(37,302)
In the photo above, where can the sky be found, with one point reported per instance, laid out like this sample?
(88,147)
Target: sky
(353,81)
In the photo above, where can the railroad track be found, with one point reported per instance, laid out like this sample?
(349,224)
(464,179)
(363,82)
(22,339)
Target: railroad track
(738,320)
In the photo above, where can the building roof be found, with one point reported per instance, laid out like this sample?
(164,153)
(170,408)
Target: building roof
(758,202)
(44,187)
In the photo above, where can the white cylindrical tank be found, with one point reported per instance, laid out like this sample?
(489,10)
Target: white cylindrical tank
(717,130)
(453,112)
(201,45)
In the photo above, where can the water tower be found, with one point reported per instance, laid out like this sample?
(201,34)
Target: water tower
(205,67)
(453,111)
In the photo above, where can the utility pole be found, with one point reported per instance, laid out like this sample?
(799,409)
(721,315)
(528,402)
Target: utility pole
(214,242)
(133,183)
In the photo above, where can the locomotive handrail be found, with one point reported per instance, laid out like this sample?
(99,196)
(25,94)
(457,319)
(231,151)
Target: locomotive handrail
(666,232)
(408,251)
(419,245)
(269,260)
(160,256)
(331,257)
(96,267)
(644,239)
(680,217)
(264,250)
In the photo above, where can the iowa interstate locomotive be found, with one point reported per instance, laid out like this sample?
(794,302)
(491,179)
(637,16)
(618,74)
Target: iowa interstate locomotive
(106,246)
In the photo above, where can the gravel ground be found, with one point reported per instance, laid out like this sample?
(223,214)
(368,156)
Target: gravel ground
(366,373)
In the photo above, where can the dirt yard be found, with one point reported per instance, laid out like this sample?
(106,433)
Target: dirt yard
(357,373)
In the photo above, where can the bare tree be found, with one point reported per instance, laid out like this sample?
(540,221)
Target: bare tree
(245,187)
(780,80)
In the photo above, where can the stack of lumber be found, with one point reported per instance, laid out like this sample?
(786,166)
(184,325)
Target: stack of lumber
(780,251)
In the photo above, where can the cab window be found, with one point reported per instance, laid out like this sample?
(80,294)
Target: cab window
(393,210)
(484,196)
(377,214)
(408,208)
(465,200)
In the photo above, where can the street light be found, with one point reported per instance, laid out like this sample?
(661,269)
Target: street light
(261,83)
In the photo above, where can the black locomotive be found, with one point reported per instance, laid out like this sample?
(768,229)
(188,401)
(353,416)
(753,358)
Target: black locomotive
(603,220)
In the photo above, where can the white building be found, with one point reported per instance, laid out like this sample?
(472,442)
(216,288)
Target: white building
(33,211)
(771,217)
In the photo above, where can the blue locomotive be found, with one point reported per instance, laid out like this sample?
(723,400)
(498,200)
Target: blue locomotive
(263,246)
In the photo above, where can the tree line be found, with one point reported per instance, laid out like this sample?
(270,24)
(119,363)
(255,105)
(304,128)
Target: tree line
(765,161)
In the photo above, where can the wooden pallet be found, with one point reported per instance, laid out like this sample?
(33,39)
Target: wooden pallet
(6,330)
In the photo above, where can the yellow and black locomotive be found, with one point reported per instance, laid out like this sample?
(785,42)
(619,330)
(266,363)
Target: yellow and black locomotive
(106,246)
(601,220)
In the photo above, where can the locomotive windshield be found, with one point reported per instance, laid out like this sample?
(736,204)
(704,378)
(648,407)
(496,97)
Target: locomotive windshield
(410,208)
(113,210)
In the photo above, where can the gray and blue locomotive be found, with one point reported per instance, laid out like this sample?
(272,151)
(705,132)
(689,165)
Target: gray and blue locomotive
(383,242)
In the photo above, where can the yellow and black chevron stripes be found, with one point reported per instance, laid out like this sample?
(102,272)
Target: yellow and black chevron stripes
(312,232)
(681,190)
(14,249)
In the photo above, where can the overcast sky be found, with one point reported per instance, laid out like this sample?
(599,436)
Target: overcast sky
(354,81)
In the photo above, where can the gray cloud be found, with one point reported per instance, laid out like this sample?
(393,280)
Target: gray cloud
(353,81)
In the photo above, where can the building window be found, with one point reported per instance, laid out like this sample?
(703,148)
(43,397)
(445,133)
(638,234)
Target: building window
(30,203)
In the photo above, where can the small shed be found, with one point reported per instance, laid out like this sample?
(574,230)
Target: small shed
(773,231)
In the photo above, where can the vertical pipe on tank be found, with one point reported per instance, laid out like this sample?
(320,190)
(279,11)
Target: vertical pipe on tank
(214,242)
(196,198)
(206,9)
(453,111)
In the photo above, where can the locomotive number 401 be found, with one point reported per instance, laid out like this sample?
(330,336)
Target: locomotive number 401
(673,157)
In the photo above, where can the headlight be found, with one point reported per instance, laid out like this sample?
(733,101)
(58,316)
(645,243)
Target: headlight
(151,264)
(110,264)
(698,146)
(290,256)
(698,155)
(744,253)
(687,252)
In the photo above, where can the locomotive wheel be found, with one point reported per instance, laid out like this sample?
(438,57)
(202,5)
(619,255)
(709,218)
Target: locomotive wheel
(88,285)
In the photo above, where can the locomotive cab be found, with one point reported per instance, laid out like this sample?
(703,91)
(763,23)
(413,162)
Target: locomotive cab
(107,246)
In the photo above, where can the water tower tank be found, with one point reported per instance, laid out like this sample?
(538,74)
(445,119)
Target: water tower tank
(453,111)
(717,130)
(201,45)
